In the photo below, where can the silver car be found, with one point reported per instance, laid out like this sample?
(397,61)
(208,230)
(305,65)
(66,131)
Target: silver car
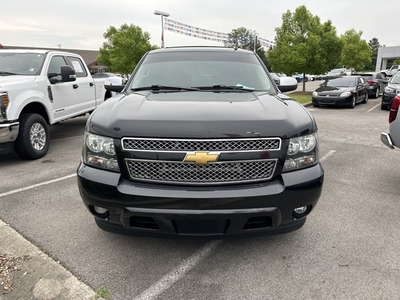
(392,138)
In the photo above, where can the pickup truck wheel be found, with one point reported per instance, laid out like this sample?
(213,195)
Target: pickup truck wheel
(33,138)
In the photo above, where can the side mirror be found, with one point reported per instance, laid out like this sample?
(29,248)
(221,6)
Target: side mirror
(114,88)
(67,74)
(287,84)
(114,84)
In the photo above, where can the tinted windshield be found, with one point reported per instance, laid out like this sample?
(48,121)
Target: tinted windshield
(21,63)
(200,69)
(340,82)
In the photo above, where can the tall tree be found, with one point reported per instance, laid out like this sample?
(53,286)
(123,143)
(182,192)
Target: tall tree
(374,46)
(356,53)
(124,48)
(245,38)
(304,45)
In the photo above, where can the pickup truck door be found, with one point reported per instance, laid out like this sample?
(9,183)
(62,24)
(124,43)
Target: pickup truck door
(74,98)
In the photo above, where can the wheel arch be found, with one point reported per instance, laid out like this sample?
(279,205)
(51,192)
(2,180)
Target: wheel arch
(38,108)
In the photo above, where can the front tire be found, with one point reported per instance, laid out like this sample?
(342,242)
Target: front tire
(33,139)
(366,98)
(377,92)
(353,102)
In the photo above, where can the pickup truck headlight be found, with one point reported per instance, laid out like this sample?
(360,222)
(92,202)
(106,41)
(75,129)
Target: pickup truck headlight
(302,152)
(99,151)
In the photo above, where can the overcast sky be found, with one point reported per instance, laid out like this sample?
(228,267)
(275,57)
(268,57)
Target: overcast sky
(80,24)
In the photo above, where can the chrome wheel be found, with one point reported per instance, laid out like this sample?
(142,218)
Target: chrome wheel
(38,136)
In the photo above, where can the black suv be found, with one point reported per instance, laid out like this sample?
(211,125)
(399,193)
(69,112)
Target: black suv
(200,142)
(392,89)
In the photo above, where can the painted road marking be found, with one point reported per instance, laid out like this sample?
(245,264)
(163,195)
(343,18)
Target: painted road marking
(36,185)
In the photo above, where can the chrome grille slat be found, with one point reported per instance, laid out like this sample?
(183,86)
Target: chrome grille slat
(221,145)
(190,173)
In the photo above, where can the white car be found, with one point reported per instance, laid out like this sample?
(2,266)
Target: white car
(392,138)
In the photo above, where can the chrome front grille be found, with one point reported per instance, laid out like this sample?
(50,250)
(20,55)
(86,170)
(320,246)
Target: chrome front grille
(176,170)
(211,173)
(231,145)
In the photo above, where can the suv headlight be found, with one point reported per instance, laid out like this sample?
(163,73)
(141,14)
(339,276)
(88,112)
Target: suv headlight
(389,89)
(302,152)
(99,152)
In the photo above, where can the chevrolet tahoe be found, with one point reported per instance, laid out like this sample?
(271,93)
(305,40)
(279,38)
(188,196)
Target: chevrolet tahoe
(200,142)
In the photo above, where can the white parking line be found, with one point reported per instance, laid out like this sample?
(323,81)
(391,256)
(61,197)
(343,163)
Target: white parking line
(169,279)
(36,185)
(373,108)
(331,152)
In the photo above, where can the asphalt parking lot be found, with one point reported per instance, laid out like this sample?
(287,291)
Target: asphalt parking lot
(348,248)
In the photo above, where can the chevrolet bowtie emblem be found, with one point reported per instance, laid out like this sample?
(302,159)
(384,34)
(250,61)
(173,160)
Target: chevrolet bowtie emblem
(201,158)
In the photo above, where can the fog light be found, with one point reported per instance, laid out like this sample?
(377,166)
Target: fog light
(300,212)
(100,210)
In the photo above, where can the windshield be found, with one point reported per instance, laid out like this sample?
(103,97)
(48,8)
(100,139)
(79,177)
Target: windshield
(341,82)
(201,69)
(395,79)
(21,63)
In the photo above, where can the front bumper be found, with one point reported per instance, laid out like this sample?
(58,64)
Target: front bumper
(166,210)
(387,139)
(8,134)
(387,99)
(340,101)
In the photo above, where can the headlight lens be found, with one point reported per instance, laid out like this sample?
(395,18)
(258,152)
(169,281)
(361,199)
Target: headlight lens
(314,94)
(302,152)
(389,90)
(99,151)
(345,94)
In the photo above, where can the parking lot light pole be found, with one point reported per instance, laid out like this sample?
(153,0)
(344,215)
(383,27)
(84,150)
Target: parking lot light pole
(162,14)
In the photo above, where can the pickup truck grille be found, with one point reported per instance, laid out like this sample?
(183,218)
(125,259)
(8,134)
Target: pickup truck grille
(175,170)
(256,144)
(211,173)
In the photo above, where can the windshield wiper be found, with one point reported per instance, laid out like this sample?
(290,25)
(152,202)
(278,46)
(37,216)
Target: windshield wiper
(157,87)
(7,73)
(219,87)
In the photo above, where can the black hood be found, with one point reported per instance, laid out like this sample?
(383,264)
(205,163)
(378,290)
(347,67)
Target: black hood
(333,90)
(201,114)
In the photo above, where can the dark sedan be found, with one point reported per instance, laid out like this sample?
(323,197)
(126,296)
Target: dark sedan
(341,91)
(391,91)
(376,82)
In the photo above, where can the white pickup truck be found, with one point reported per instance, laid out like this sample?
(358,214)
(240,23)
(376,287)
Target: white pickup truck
(390,72)
(39,88)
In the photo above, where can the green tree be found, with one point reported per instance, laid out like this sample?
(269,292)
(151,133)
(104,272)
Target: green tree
(374,46)
(244,38)
(304,45)
(356,53)
(124,47)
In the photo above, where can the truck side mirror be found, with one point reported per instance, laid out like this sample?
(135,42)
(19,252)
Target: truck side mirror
(67,74)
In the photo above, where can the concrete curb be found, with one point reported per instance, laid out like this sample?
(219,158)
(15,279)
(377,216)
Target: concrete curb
(35,275)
